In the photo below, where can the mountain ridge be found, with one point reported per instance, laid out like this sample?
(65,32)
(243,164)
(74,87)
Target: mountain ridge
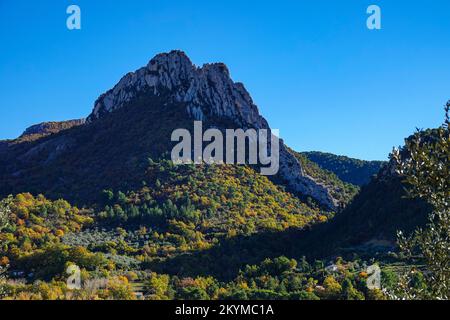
(351,170)
(208,92)
(47,128)
(169,84)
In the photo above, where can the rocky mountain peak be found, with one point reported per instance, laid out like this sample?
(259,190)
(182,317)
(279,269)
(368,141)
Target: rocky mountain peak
(208,92)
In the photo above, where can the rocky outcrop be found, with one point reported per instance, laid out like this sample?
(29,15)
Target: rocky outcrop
(207,92)
(46,128)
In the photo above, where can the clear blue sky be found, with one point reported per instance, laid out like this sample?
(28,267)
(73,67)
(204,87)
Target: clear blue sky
(313,68)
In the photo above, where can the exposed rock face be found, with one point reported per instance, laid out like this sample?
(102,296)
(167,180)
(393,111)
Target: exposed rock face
(207,92)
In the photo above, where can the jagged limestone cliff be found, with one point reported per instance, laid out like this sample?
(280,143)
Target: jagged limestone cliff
(207,92)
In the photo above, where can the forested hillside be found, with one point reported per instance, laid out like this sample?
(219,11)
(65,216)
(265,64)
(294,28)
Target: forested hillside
(343,191)
(354,171)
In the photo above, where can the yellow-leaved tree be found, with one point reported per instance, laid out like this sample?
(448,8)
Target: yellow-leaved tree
(5,213)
